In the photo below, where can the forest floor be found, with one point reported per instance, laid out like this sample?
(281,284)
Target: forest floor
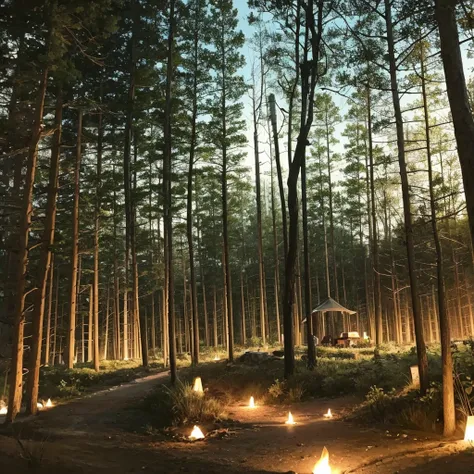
(104,433)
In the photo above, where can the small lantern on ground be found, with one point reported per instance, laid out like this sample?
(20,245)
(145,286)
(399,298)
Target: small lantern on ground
(322,466)
(198,385)
(196,434)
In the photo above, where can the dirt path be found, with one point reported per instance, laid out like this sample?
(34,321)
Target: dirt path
(95,435)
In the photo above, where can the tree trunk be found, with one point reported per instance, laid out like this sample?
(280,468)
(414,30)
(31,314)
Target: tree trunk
(375,244)
(167,188)
(47,347)
(445,332)
(189,197)
(47,241)
(16,368)
(75,249)
(95,283)
(463,120)
(90,326)
(420,341)
(271,100)
(307,277)
(138,318)
(258,201)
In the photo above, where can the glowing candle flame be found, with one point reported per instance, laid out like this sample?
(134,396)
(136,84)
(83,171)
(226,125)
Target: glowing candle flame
(322,466)
(196,434)
(49,403)
(469,433)
(198,385)
(3,411)
(252,403)
(328,414)
(290,420)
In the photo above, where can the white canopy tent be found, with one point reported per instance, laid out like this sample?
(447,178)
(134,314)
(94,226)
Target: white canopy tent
(330,305)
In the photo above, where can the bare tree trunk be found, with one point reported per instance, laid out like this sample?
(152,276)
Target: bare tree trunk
(214,320)
(95,283)
(153,325)
(420,341)
(107,317)
(16,368)
(44,268)
(308,84)
(138,318)
(118,353)
(271,100)
(242,299)
(307,277)
(167,187)
(50,306)
(75,249)
(90,326)
(445,332)
(445,11)
(56,311)
(375,244)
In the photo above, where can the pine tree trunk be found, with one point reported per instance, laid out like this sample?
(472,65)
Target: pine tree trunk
(44,267)
(271,100)
(71,341)
(117,333)
(16,368)
(138,318)
(420,341)
(258,201)
(189,197)
(107,317)
(47,347)
(206,317)
(242,304)
(56,311)
(445,11)
(214,321)
(449,413)
(90,326)
(308,313)
(95,283)
(167,188)
(153,325)
(375,244)
(275,254)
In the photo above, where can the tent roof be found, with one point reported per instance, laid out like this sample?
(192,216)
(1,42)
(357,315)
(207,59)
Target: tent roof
(332,305)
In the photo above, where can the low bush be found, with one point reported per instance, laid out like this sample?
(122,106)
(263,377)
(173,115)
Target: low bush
(181,405)
(404,409)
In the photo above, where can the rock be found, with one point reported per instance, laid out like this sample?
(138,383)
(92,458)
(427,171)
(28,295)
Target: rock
(256,358)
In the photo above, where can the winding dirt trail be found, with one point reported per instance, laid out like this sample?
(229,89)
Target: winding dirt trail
(95,435)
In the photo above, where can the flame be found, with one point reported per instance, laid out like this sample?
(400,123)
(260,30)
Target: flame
(39,405)
(322,466)
(328,414)
(290,420)
(217,358)
(196,434)
(49,403)
(3,411)
(252,403)
(469,433)
(198,385)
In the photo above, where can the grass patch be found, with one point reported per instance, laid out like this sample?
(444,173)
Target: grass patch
(59,382)
(405,409)
(181,405)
